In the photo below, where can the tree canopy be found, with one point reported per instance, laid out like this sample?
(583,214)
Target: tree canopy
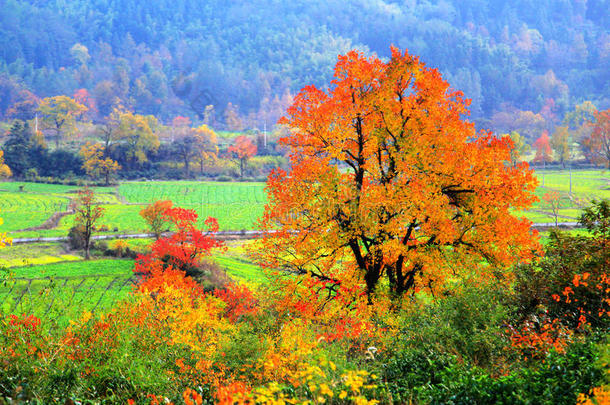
(390,186)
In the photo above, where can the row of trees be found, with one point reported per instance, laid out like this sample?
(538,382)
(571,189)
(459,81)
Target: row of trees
(584,134)
(122,140)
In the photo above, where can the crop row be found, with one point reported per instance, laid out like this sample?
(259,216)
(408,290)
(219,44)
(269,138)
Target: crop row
(61,297)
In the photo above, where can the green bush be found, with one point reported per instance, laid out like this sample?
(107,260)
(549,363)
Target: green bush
(429,377)
(557,380)
(469,324)
(541,286)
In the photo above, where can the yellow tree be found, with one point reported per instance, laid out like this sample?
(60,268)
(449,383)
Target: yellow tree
(60,114)
(560,142)
(389,186)
(107,130)
(5,171)
(520,147)
(208,141)
(135,133)
(95,164)
(194,144)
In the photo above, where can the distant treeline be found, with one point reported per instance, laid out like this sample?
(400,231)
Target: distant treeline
(169,58)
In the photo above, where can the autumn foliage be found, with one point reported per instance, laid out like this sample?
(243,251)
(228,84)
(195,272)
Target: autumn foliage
(391,194)
(186,246)
(388,180)
(95,164)
(598,143)
(87,212)
(544,152)
(154,216)
(242,149)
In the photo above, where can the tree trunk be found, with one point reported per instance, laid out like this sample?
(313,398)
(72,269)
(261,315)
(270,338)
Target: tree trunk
(87,244)
(186,167)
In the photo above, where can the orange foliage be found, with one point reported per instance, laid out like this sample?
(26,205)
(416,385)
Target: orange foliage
(543,148)
(153,215)
(388,182)
(185,248)
(242,150)
(598,143)
(597,396)
(239,300)
(535,342)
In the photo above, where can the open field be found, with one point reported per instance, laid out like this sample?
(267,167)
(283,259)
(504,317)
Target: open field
(33,279)
(236,205)
(36,254)
(58,291)
(586,186)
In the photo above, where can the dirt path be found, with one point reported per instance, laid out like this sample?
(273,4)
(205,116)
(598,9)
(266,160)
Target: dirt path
(50,223)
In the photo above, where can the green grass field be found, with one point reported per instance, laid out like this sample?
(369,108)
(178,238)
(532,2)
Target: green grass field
(62,290)
(586,186)
(237,206)
(237,264)
(36,254)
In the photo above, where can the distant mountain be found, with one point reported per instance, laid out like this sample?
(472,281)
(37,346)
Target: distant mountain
(175,57)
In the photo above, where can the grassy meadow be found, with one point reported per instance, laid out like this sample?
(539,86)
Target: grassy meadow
(26,206)
(236,205)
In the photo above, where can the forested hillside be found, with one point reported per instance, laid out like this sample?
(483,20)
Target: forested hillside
(171,58)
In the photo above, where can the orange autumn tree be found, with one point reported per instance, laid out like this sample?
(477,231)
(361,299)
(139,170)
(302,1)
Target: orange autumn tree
(390,186)
(598,143)
(242,150)
(154,215)
(544,152)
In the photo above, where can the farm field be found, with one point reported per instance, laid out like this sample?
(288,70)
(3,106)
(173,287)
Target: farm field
(43,280)
(587,185)
(36,254)
(236,205)
(61,290)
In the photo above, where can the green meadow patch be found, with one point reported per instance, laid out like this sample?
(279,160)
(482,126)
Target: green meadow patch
(61,291)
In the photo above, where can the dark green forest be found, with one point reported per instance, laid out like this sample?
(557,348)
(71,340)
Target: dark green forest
(171,58)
